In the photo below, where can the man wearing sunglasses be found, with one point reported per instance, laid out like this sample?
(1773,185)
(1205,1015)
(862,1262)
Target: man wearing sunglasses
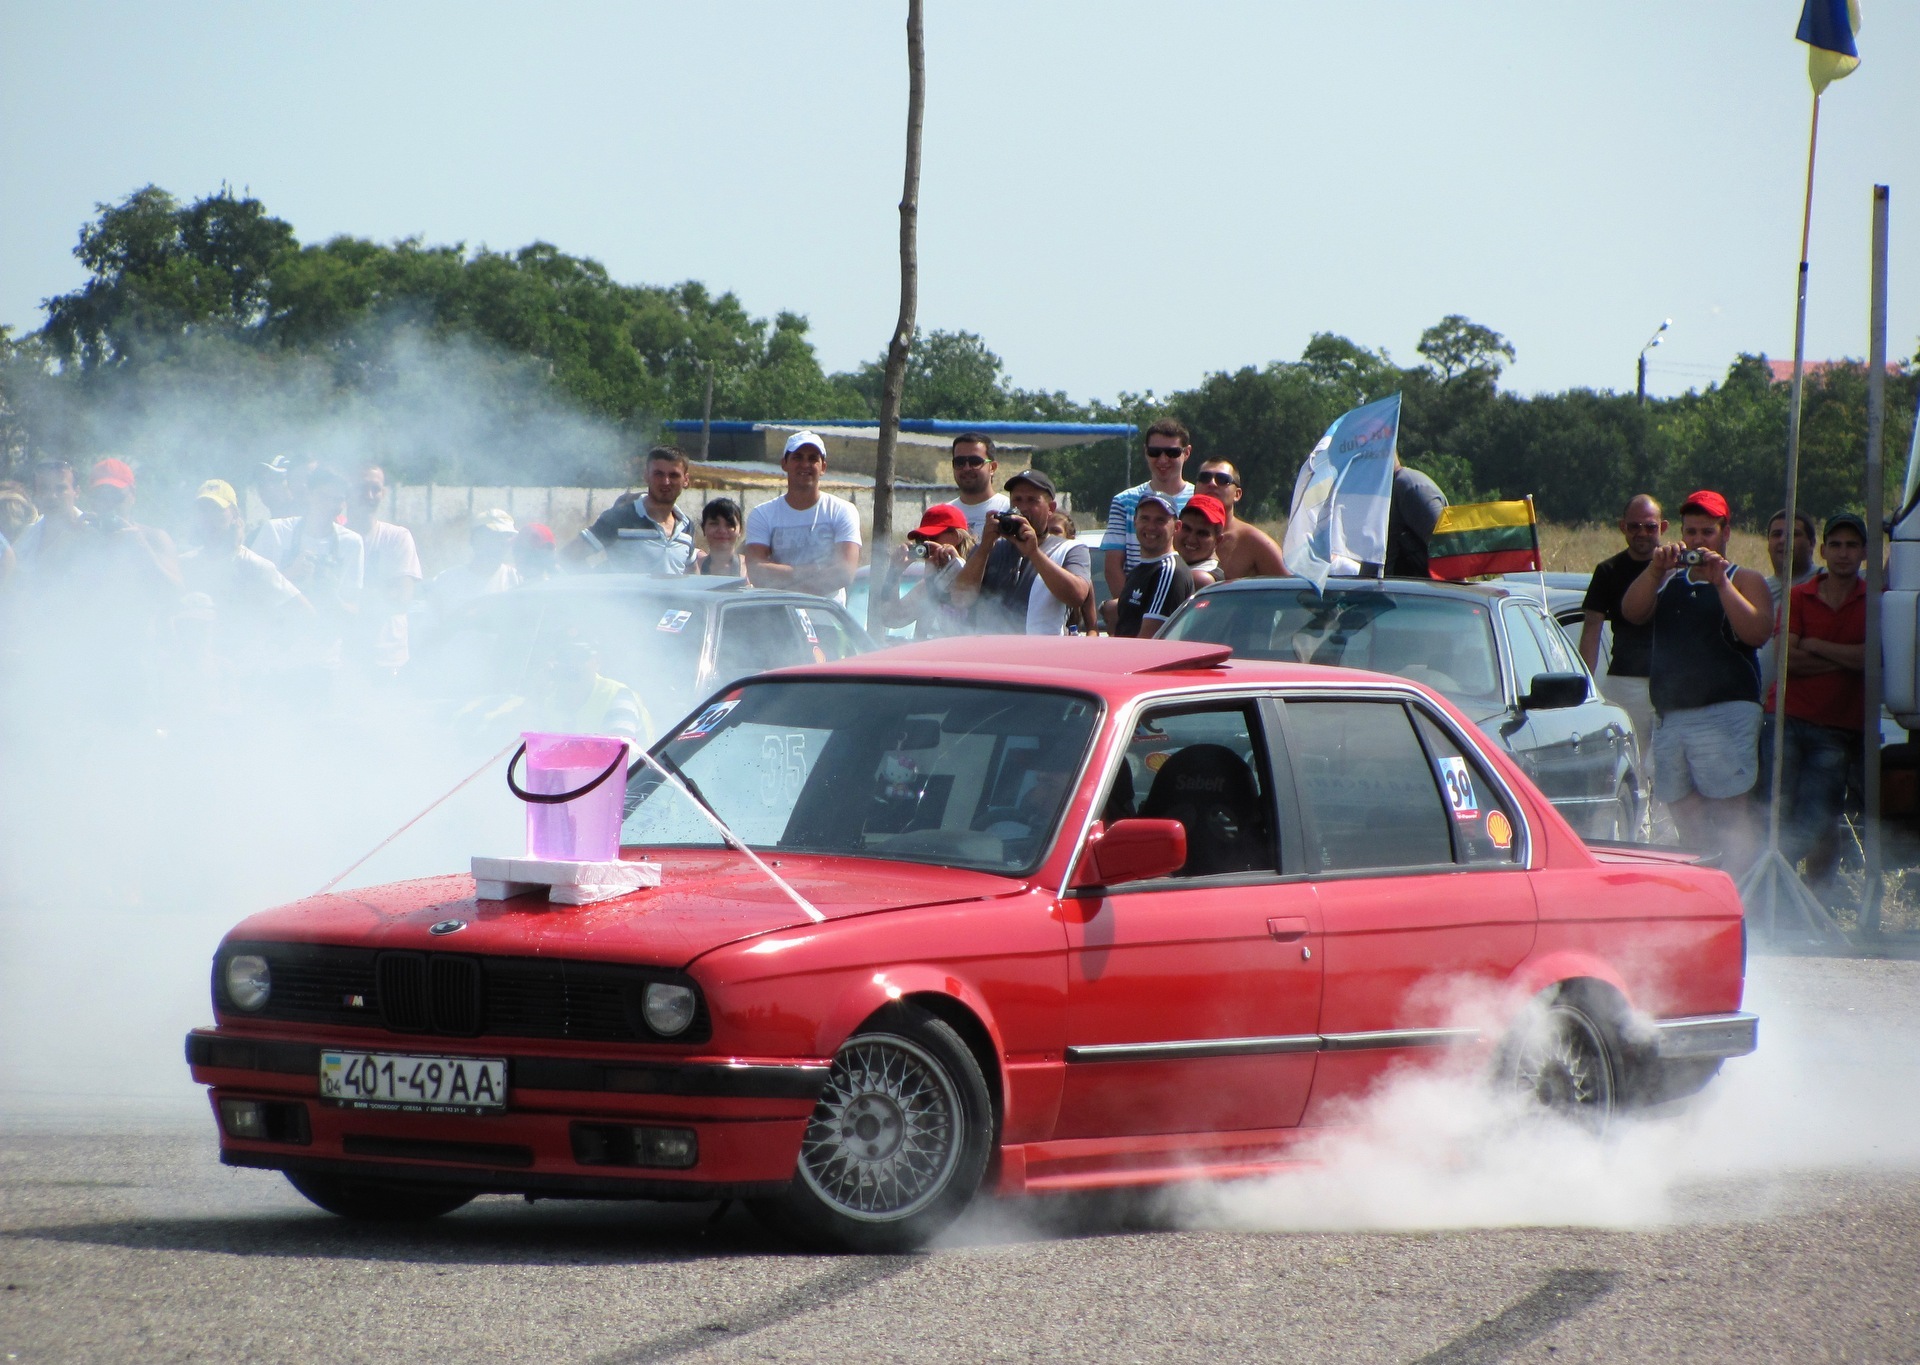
(1625,681)
(1168,446)
(1244,551)
(973,471)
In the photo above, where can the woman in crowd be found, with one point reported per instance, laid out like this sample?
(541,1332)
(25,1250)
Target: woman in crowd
(720,525)
(943,542)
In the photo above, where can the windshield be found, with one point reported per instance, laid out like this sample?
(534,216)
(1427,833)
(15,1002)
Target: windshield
(1446,643)
(920,772)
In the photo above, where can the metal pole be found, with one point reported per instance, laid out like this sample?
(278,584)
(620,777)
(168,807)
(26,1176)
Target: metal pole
(1793,483)
(706,415)
(1876,512)
(1640,390)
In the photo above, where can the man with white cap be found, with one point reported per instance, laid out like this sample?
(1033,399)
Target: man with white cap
(806,541)
(487,570)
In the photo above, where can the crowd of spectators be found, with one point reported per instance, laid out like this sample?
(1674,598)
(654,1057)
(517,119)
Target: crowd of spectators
(322,587)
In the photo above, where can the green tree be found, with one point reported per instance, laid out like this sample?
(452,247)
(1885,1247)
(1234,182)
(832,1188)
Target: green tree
(1456,346)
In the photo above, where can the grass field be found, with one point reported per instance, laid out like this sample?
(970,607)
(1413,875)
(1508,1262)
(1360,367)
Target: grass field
(1576,549)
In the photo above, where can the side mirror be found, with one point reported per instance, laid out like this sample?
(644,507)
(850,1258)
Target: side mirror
(1555,692)
(1132,851)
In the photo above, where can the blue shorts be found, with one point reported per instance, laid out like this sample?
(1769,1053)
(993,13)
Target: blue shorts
(1713,750)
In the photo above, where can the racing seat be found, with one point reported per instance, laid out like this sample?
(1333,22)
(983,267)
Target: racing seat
(1210,790)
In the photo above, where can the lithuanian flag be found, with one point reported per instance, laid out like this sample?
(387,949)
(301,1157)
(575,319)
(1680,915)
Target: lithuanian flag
(1484,537)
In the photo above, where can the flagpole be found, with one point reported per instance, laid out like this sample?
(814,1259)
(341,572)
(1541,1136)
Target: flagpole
(1792,510)
(1539,560)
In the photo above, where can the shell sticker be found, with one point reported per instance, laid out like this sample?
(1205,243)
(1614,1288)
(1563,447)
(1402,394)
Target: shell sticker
(1157,760)
(1499,829)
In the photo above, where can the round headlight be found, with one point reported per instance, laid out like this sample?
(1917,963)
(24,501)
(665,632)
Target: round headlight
(249,981)
(669,1008)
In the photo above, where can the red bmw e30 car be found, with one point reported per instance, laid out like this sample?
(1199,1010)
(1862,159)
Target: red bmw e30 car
(1011,914)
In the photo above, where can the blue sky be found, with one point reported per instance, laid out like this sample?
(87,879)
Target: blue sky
(1117,196)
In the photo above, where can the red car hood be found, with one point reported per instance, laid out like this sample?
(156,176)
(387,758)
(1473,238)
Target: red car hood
(704,900)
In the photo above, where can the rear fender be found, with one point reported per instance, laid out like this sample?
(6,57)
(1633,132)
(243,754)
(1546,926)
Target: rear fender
(1544,972)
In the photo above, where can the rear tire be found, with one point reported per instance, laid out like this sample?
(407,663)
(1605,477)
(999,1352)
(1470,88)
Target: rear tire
(378,1201)
(1564,1060)
(897,1145)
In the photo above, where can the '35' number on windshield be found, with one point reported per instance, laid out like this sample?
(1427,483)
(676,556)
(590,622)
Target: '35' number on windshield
(783,768)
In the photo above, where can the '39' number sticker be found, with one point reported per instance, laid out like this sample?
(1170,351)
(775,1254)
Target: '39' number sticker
(1457,781)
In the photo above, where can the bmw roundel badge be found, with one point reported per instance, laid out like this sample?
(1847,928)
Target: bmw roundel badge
(448,926)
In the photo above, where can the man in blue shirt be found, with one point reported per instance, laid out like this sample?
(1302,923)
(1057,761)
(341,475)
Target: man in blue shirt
(644,533)
(1168,447)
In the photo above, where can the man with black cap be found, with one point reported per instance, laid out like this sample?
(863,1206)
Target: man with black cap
(1826,697)
(1709,618)
(1020,580)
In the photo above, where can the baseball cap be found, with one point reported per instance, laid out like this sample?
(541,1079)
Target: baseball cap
(942,516)
(537,532)
(1707,503)
(219,491)
(1839,519)
(496,519)
(803,438)
(112,473)
(1158,500)
(1034,477)
(1210,508)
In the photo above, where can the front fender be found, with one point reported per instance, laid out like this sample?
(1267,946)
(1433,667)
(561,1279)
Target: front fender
(867,996)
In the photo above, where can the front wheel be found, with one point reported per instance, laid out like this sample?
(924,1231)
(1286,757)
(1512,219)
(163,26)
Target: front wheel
(897,1144)
(1561,1058)
(378,1201)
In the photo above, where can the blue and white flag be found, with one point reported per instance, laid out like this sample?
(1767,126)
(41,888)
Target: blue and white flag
(1343,495)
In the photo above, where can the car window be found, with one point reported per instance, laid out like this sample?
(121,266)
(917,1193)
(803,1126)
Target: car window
(1524,650)
(828,639)
(1485,829)
(1205,767)
(1371,797)
(756,636)
(1561,656)
(1444,642)
(919,772)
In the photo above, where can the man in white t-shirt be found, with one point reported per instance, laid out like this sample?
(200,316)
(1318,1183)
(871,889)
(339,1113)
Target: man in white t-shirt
(393,568)
(806,541)
(324,559)
(488,568)
(973,471)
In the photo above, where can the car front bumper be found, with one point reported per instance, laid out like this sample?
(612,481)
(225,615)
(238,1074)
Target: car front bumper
(747,1115)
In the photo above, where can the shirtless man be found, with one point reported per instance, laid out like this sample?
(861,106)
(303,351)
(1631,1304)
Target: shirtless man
(1244,551)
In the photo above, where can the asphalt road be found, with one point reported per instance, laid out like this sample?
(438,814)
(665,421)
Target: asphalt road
(1779,1220)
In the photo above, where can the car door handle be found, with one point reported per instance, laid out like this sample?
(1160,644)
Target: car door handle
(1287,928)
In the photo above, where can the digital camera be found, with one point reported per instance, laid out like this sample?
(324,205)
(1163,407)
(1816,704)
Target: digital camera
(1692,557)
(917,549)
(1010,523)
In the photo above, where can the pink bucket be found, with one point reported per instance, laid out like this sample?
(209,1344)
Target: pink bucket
(576,785)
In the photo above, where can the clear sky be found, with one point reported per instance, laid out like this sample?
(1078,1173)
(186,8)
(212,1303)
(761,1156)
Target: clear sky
(1118,196)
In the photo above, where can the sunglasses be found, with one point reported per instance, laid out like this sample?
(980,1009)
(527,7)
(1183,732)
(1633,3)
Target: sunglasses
(1164,452)
(968,461)
(1219,476)
(1643,526)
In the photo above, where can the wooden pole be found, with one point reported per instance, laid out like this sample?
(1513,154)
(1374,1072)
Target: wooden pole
(706,415)
(1876,584)
(1793,484)
(902,341)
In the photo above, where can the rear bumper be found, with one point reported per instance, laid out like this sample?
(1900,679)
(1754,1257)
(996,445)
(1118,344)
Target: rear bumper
(1703,1037)
(747,1117)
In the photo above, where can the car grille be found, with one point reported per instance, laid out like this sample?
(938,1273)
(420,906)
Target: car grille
(456,995)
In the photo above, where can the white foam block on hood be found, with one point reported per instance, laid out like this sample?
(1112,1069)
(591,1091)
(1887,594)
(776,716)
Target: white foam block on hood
(499,879)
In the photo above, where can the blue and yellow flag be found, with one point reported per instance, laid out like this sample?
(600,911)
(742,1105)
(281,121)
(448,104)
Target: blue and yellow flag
(1827,28)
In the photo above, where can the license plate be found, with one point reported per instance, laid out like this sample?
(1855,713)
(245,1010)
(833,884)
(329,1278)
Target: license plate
(387,1080)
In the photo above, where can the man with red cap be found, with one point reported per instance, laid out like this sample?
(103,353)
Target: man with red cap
(144,553)
(942,539)
(1709,618)
(1197,536)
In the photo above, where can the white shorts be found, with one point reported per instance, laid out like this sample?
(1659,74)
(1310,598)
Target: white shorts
(1713,750)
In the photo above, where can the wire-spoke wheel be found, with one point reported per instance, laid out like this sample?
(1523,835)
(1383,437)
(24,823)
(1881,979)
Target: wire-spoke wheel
(897,1143)
(1563,1061)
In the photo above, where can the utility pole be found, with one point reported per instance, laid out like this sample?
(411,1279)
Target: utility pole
(706,415)
(902,341)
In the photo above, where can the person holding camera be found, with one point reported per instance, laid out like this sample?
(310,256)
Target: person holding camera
(941,542)
(1021,580)
(1709,619)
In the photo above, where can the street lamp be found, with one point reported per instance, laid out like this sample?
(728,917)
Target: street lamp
(1652,341)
